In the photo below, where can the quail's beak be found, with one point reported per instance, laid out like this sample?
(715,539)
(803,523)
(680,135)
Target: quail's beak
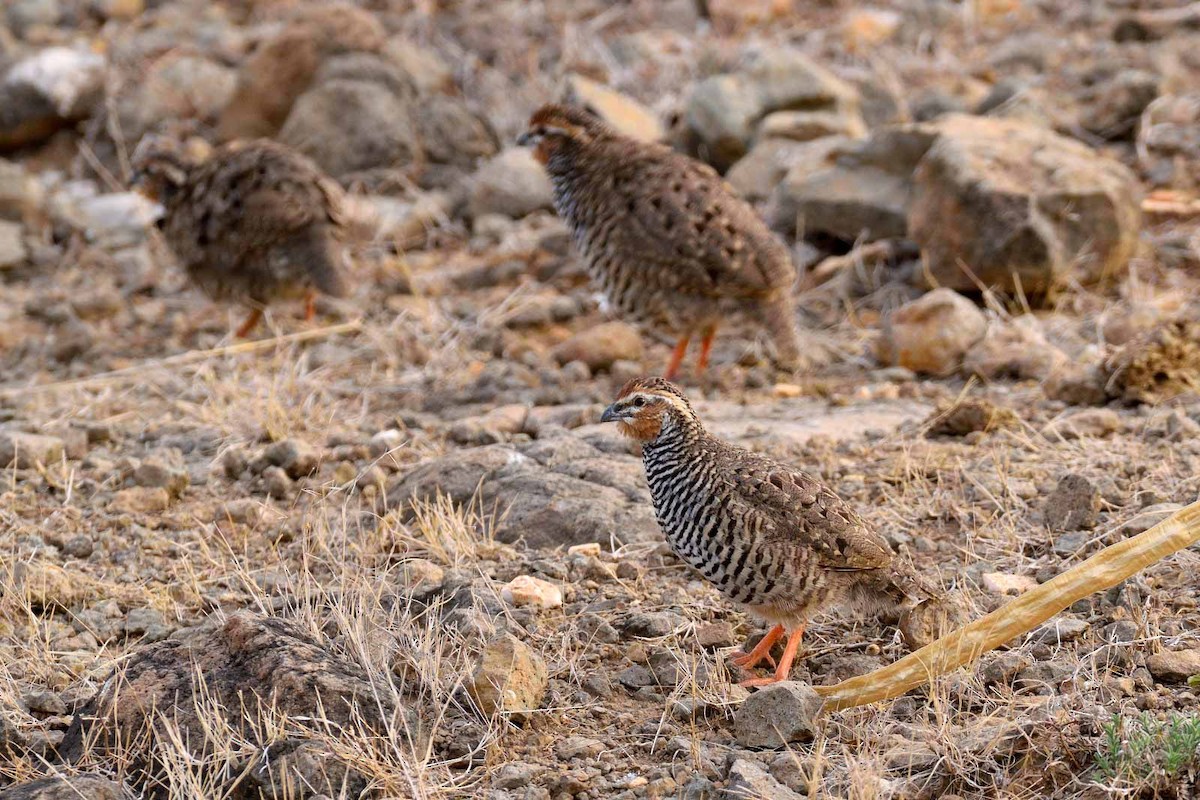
(611,414)
(528,139)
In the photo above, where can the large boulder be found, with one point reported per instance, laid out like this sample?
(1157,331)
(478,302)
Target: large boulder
(540,497)
(284,67)
(48,91)
(1018,205)
(724,111)
(254,671)
(348,126)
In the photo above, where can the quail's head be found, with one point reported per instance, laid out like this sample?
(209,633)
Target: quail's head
(160,166)
(648,407)
(560,129)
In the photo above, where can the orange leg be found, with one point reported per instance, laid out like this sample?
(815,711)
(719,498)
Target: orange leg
(761,651)
(310,306)
(705,349)
(250,323)
(676,358)
(785,663)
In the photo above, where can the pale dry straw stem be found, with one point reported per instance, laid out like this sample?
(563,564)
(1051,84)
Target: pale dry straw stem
(1103,570)
(138,372)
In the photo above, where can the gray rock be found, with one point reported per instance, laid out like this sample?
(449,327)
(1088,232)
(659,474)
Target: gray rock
(1014,349)
(1112,108)
(778,714)
(751,779)
(450,133)
(933,333)
(148,624)
(1003,667)
(297,458)
(723,111)
(652,624)
(277,483)
(1019,204)
(756,176)
(349,126)
(40,94)
(512,184)
(1168,140)
(66,787)
(163,470)
(848,202)
(25,14)
(27,450)
(543,505)
(1073,505)
(13,252)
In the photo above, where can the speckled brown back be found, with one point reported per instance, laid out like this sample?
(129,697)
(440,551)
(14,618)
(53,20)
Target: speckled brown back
(257,221)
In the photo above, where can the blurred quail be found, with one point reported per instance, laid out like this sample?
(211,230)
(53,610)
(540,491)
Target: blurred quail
(770,537)
(667,240)
(254,221)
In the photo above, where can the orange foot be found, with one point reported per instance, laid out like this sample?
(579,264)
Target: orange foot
(250,323)
(785,663)
(761,651)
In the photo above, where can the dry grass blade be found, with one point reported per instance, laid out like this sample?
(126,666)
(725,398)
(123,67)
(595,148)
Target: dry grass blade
(139,371)
(1107,568)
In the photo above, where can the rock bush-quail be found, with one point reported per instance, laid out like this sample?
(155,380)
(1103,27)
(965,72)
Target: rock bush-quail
(667,240)
(769,536)
(254,222)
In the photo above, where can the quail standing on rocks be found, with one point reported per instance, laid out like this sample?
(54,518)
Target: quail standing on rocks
(770,537)
(254,221)
(667,240)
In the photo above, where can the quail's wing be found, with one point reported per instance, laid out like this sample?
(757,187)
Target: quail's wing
(263,197)
(802,510)
(683,216)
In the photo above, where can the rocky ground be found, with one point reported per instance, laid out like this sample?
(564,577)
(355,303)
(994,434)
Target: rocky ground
(392,553)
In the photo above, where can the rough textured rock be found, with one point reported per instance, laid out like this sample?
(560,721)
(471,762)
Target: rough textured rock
(756,176)
(247,663)
(1168,141)
(539,494)
(601,346)
(724,110)
(512,184)
(1018,204)
(1174,666)
(969,416)
(511,678)
(1014,349)
(931,334)
(284,67)
(13,252)
(778,714)
(47,91)
(1073,505)
(750,779)
(27,450)
(862,192)
(66,787)
(348,126)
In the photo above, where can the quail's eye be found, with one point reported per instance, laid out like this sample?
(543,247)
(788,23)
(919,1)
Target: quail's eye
(638,402)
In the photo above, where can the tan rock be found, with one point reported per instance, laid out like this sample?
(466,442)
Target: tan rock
(1008,584)
(510,679)
(526,590)
(931,334)
(140,500)
(602,345)
(622,112)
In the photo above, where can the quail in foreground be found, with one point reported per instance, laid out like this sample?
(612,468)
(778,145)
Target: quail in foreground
(769,536)
(667,240)
(253,222)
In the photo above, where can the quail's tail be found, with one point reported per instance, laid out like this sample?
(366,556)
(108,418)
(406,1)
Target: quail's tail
(325,260)
(794,350)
